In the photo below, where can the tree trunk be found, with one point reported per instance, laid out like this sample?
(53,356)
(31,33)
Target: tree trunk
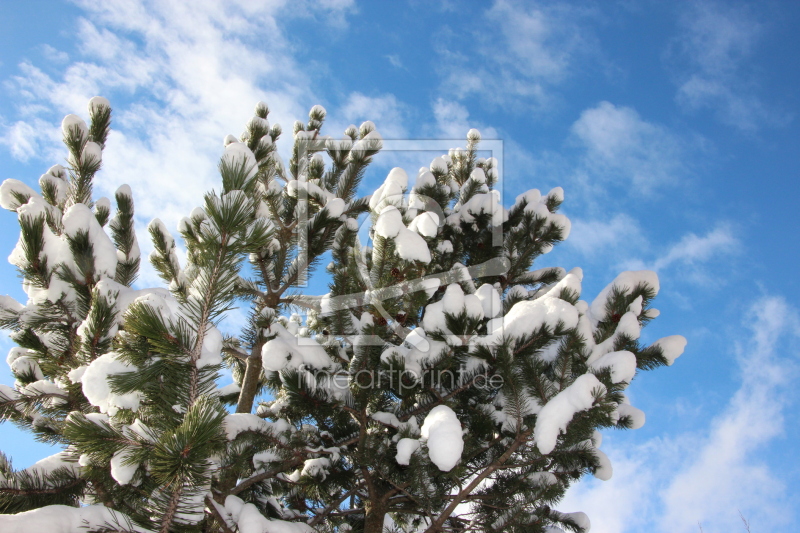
(252,375)
(375,514)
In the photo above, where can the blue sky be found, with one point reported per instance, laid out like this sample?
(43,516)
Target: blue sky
(672,127)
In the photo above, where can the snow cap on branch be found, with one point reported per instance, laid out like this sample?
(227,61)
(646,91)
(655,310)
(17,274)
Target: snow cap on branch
(442,430)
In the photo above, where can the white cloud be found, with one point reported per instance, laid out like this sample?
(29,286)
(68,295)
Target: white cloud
(196,70)
(54,55)
(707,475)
(395,61)
(714,47)
(21,140)
(453,122)
(620,232)
(728,473)
(693,249)
(388,114)
(528,49)
(537,45)
(622,147)
(695,258)
(619,243)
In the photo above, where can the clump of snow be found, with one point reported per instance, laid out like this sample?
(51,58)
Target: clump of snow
(444,438)
(286,350)
(424,179)
(122,473)
(63,519)
(559,411)
(391,192)
(231,388)
(58,171)
(439,164)
(405,449)
(445,247)
(92,152)
(570,282)
(79,218)
(478,175)
(9,304)
(537,204)
(371,140)
(237,423)
(71,122)
(604,470)
(211,351)
(317,467)
(7,394)
(277,355)
(426,224)
(454,302)
(389,222)
(61,186)
(543,479)
(636,415)
(97,389)
(556,193)
(21,362)
(236,154)
(249,519)
(411,247)
(490,300)
(408,244)
(44,467)
(12,188)
(258,122)
(267,456)
(581,519)
(417,348)
(96,103)
(53,394)
(335,207)
(671,347)
(528,315)
(389,419)
(139,429)
(483,203)
(622,365)
(624,282)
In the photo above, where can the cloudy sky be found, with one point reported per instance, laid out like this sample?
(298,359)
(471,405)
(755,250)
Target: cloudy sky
(670,125)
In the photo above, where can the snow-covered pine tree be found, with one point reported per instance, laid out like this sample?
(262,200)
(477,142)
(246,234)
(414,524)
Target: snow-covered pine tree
(439,325)
(124,379)
(471,387)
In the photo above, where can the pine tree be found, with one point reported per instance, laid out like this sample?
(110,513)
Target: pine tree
(441,384)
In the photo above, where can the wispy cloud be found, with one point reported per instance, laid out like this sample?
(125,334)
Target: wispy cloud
(452,121)
(701,259)
(622,148)
(24,138)
(395,61)
(531,48)
(386,111)
(196,68)
(706,475)
(712,56)
(619,233)
(693,249)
